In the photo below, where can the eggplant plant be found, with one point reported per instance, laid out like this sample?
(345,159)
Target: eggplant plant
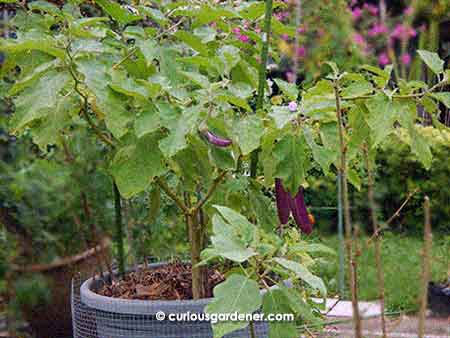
(177,93)
(263,261)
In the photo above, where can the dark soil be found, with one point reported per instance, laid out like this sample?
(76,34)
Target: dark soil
(168,282)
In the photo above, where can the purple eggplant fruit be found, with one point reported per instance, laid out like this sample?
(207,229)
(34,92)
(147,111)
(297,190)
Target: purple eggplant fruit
(282,198)
(216,140)
(300,213)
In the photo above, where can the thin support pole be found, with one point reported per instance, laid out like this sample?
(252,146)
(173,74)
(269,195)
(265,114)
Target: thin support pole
(341,272)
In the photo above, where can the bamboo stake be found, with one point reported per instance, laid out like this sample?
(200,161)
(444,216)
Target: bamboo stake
(376,233)
(426,267)
(352,263)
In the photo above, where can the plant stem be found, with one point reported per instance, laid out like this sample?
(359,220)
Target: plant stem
(426,268)
(378,259)
(210,191)
(352,264)
(165,187)
(252,329)
(262,76)
(196,234)
(119,229)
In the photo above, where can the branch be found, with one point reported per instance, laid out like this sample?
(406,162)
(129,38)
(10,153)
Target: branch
(165,187)
(210,192)
(85,112)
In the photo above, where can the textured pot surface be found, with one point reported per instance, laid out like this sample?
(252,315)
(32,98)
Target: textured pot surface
(122,318)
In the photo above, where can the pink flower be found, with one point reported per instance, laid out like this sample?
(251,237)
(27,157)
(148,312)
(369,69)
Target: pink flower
(292,106)
(406,59)
(353,2)
(356,13)
(409,11)
(301,29)
(258,29)
(300,51)
(284,37)
(244,38)
(403,32)
(372,9)
(236,30)
(377,29)
(383,59)
(359,39)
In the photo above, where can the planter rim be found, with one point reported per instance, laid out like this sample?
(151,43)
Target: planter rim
(105,243)
(137,306)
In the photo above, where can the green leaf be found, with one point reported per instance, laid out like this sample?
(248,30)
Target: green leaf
(176,140)
(420,146)
(49,129)
(30,78)
(288,89)
(323,156)
(304,274)
(383,113)
(357,88)
(111,104)
(228,241)
(237,294)
(117,12)
(147,121)
(234,218)
(290,153)
(281,115)
(235,100)
(248,132)
(149,49)
(41,43)
(134,166)
(263,208)
(222,158)
(276,302)
(432,60)
(128,86)
(354,179)
(442,97)
(39,100)
(230,56)
(192,41)
(45,7)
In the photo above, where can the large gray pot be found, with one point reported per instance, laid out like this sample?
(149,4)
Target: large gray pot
(120,318)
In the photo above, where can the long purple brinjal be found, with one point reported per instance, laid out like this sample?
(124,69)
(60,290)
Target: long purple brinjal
(283,205)
(216,140)
(300,213)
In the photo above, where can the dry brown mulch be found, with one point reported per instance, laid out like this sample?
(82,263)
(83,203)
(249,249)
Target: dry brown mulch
(169,282)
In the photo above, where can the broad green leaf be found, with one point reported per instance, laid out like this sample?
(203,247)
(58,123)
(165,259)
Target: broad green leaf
(222,158)
(192,41)
(41,43)
(128,86)
(300,307)
(176,140)
(276,302)
(304,274)
(354,179)
(442,97)
(50,127)
(432,60)
(236,101)
(149,49)
(324,156)
(263,208)
(198,79)
(205,33)
(134,166)
(117,12)
(237,294)
(288,89)
(420,146)
(380,76)
(319,248)
(45,7)
(33,76)
(230,56)
(248,132)
(39,100)
(357,88)
(111,104)
(253,11)
(147,121)
(237,220)
(383,113)
(227,241)
(291,156)
(281,115)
